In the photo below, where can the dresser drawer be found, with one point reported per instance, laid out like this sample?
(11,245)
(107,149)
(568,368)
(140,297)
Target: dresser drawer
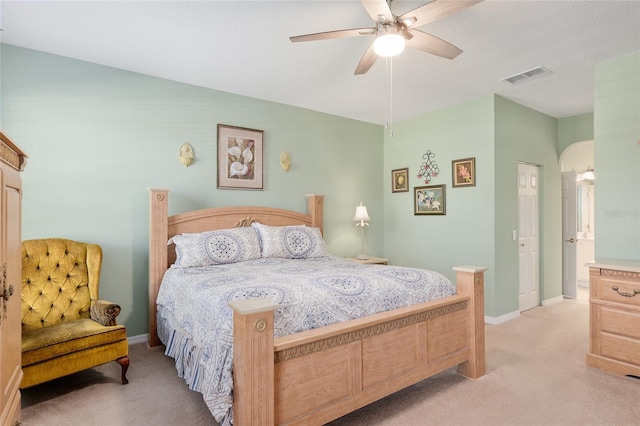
(620,322)
(618,287)
(621,348)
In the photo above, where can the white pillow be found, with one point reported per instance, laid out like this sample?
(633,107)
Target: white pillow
(216,247)
(291,242)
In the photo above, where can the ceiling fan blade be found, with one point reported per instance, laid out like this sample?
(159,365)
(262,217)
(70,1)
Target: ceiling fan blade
(377,8)
(432,44)
(433,11)
(354,32)
(368,59)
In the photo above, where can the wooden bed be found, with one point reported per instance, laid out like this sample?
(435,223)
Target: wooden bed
(316,376)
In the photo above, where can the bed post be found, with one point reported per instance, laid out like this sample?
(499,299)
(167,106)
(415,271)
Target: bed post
(158,236)
(253,362)
(315,208)
(470,282)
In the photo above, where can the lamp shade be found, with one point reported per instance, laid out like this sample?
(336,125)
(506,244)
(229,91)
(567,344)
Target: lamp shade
(389,42)
(361,213)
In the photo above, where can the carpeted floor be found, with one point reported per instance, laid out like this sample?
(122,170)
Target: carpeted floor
(536,375)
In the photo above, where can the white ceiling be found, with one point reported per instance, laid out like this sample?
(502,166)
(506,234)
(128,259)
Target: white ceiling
(243,47)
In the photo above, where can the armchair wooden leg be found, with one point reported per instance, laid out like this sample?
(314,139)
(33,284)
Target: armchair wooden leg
(124,362)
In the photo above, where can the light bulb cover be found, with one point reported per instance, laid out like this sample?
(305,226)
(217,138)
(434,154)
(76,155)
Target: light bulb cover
(388,43)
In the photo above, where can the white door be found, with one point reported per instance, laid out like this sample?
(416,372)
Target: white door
(569,229)
(528,236)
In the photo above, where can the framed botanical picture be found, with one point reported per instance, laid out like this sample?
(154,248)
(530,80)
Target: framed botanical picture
(464,172)
(429,200)
(399,178)
(240,157)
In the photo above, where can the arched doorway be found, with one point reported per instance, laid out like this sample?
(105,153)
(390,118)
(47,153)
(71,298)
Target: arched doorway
(578,225)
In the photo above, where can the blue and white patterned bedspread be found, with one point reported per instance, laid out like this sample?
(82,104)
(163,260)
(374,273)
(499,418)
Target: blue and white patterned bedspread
(196,324)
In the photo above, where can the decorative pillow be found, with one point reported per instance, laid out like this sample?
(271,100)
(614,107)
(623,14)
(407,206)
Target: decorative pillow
(291,242)
(216,247)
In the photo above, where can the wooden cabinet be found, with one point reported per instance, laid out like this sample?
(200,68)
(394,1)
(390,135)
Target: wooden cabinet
(614,317)
(12,161)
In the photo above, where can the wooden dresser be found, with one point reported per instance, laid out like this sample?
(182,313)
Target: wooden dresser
(12,161)
(614,317)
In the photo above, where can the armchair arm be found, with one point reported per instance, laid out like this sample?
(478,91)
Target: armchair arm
(104,312)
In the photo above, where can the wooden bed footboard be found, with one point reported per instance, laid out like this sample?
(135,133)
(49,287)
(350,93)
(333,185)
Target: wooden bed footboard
(316,376)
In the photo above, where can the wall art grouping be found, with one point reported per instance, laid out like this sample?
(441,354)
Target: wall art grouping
(431,199)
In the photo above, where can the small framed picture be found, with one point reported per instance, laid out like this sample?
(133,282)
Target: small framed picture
(464,172)
(399,180)
(240,156)
(429,200)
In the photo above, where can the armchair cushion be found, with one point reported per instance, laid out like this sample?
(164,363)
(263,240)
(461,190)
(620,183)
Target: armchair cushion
(51,342)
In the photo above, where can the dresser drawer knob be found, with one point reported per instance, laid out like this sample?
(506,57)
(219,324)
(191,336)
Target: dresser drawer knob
(625,294)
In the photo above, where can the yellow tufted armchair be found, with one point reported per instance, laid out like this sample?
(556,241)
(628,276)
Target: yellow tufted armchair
(66,328)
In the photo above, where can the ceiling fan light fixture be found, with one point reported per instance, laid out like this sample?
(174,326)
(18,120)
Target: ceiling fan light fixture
(389,42)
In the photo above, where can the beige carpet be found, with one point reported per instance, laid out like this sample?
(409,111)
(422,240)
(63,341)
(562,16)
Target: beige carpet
(536,375)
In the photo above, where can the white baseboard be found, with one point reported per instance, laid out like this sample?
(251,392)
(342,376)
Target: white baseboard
(515,314)
(501,318)
(552,301)
(140,338)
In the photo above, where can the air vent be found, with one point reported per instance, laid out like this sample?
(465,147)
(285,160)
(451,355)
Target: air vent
(527,75)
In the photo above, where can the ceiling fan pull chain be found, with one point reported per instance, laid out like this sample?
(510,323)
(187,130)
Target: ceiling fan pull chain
(386,76)
(391,97)
(389,76)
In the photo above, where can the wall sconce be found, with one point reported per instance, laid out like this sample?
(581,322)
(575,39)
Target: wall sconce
(186,154)
(589,175)
(285,160)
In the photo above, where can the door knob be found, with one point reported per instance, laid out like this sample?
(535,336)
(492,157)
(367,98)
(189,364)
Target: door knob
(571,240)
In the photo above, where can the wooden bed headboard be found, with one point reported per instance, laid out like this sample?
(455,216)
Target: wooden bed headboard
(162,227)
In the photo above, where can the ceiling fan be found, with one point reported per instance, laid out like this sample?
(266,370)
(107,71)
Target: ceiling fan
(393,32)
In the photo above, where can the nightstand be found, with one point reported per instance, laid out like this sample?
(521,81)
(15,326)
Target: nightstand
(371,260)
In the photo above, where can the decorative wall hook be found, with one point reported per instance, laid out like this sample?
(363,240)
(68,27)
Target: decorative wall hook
(429,168)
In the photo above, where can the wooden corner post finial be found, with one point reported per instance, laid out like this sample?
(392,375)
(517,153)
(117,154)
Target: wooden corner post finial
(315,208)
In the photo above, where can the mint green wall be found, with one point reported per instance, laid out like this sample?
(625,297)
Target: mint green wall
(521,134)
(617,153)
(97,137)
(574,129)
(464,236)
(477,228)
(525,135)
